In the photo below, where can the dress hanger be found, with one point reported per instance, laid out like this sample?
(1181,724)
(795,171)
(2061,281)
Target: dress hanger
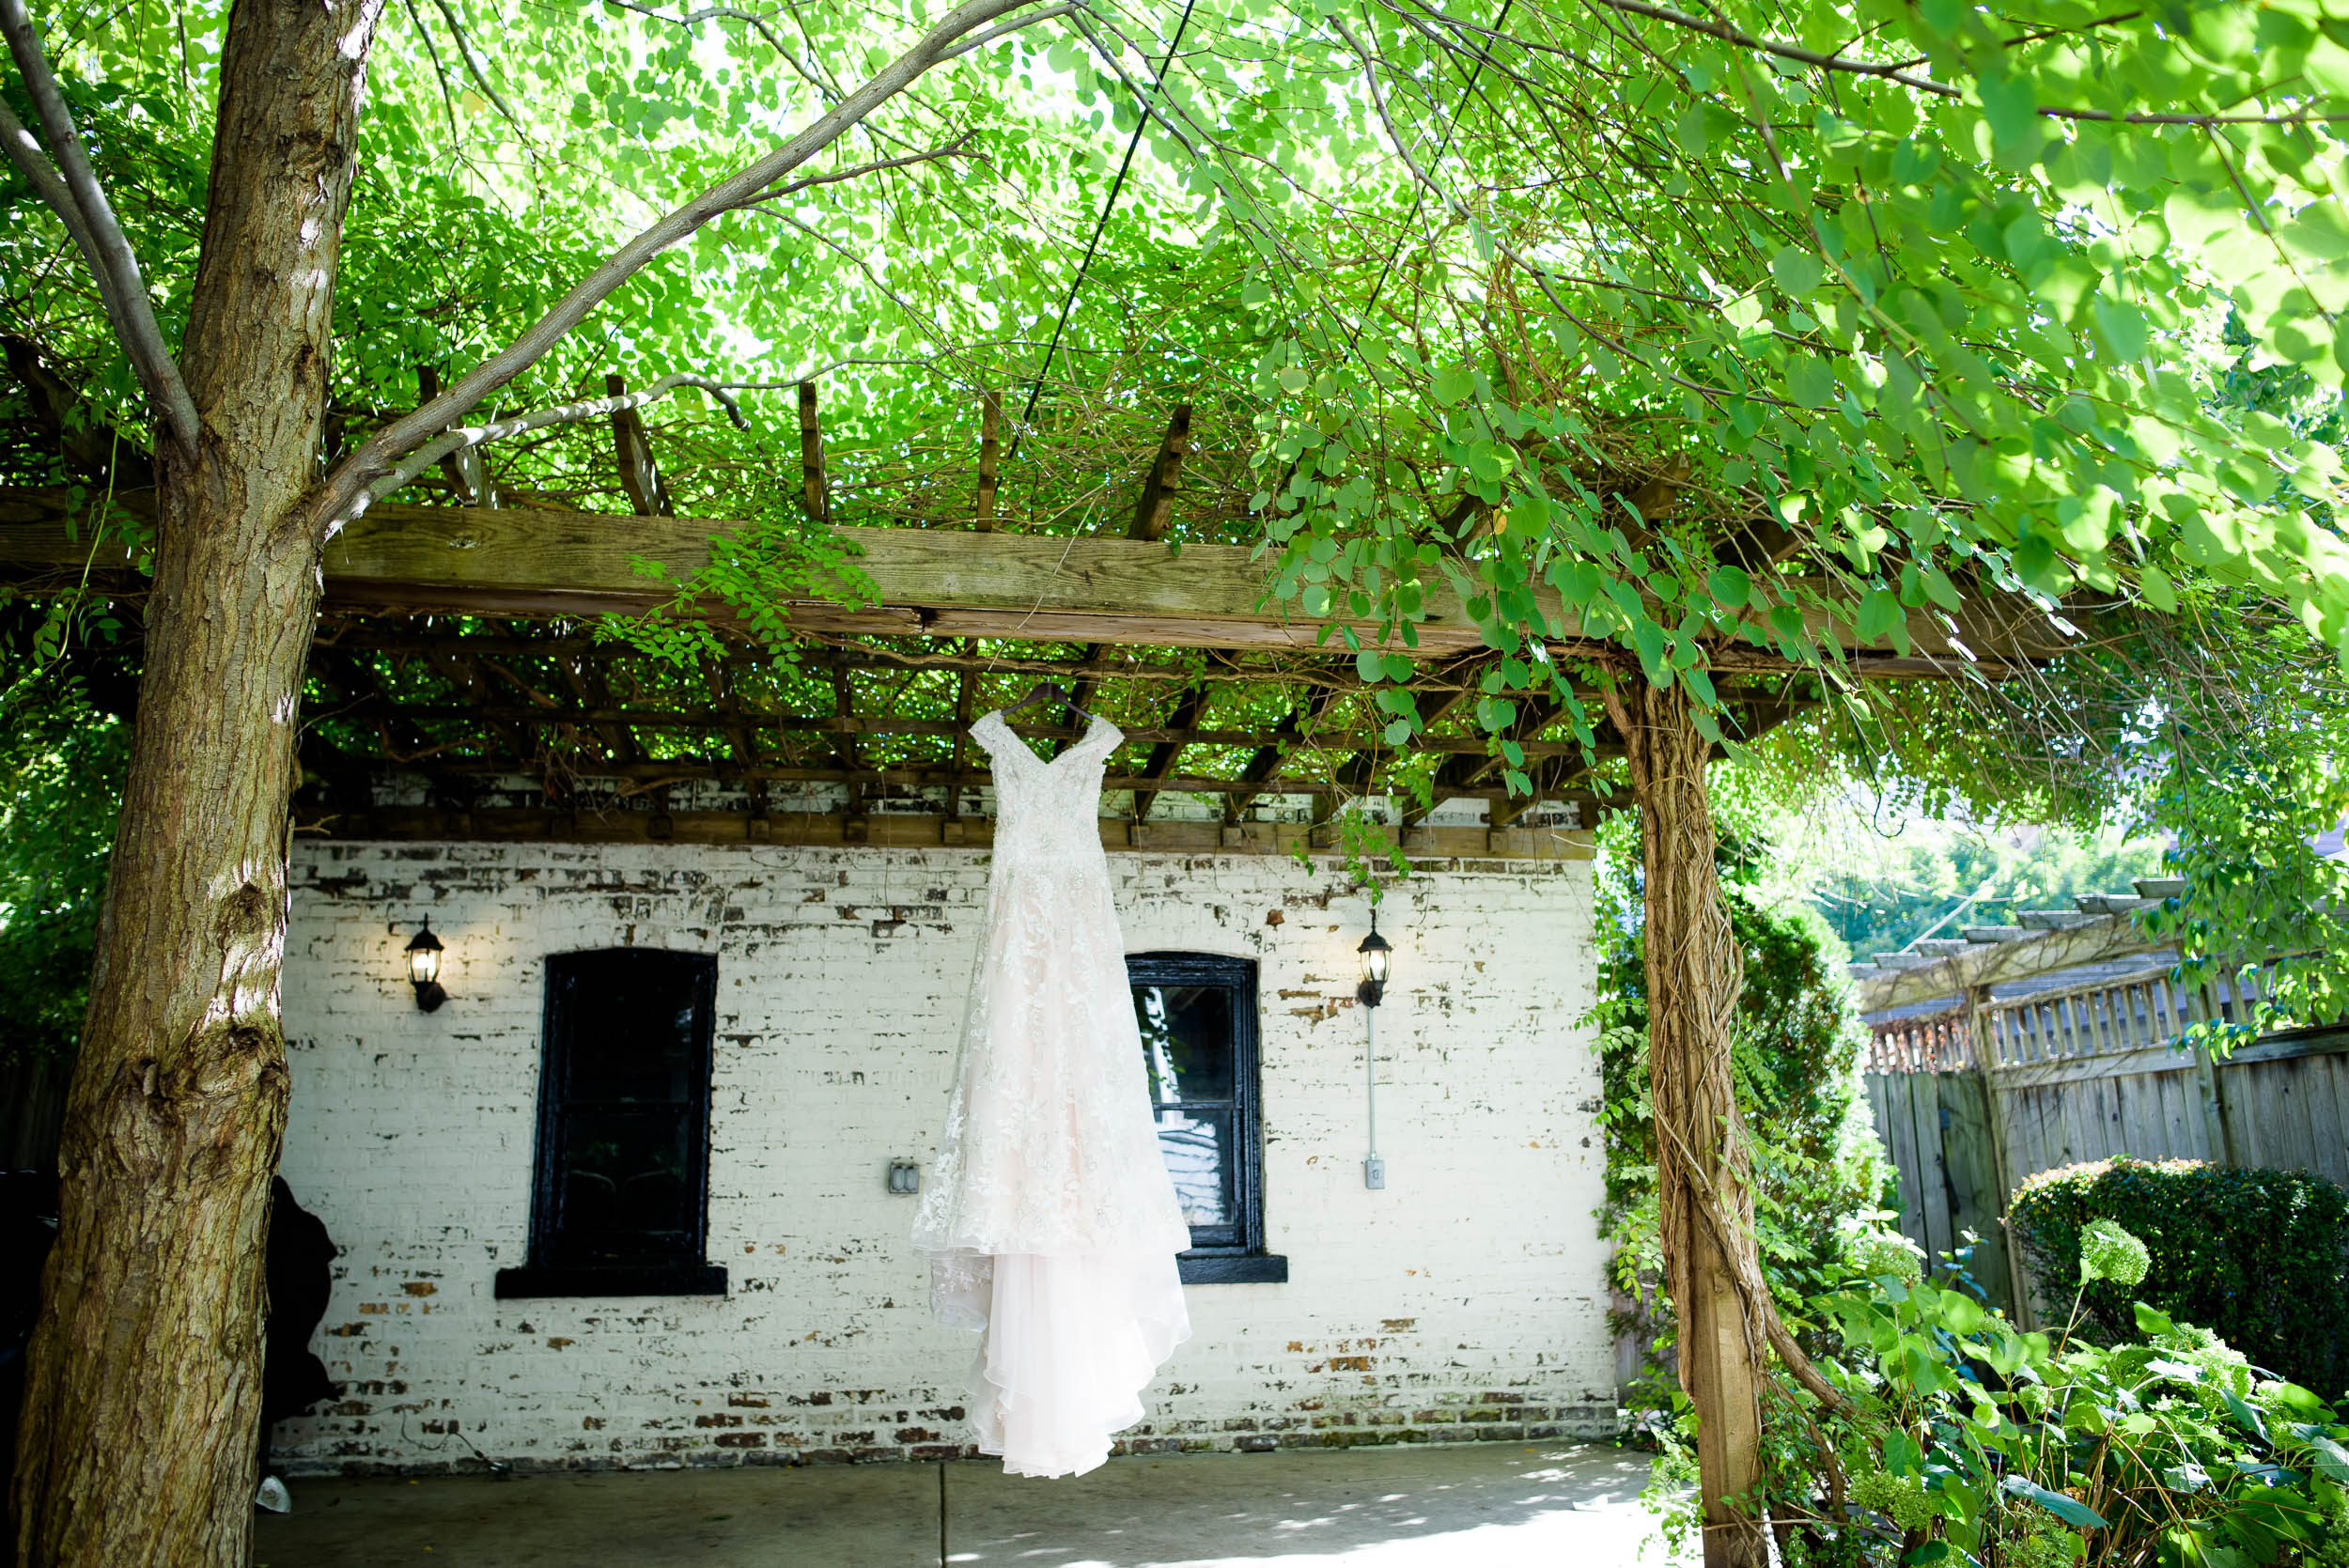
(1048,691)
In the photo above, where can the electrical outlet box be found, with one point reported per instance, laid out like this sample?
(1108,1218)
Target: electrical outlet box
(1375,1174)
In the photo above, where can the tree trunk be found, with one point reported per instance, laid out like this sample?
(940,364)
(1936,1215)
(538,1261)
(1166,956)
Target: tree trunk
(1712,1265)
(145,1381)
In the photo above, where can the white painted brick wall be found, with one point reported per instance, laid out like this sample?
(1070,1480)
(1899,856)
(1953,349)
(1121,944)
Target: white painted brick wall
(1467,1299)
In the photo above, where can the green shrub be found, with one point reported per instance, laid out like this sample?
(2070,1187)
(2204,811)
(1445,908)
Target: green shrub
(1956,1439)
(2261,1258)
(1966,1442)
(61,766)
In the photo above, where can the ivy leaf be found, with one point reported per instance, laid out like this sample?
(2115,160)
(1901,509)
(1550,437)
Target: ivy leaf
(2010,108)
(1649,639)
(2121,326)
(1731,586)
(2332,1460)
(1796,272)
(1577,582)
(2070,1509)
(2035,558)
(1879,613)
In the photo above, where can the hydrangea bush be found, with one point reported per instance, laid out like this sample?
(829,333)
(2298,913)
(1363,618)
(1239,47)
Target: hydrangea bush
(1967,1441)
(2259,1257)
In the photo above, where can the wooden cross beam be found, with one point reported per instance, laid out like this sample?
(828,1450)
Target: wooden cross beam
(814,495)
(937,582)
(668,771)
(640,476)
(728,717)
(1166,474)
(1149,524)
(990,457)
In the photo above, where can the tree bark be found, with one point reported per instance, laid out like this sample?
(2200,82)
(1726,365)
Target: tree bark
(143,1389)
(1712,1263)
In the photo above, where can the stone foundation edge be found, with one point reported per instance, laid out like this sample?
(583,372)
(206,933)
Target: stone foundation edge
(1242,1434)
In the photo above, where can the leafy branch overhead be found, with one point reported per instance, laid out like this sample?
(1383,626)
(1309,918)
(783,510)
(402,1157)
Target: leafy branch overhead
(1797,331)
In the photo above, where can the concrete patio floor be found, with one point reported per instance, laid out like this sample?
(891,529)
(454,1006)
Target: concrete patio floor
(1493,1505)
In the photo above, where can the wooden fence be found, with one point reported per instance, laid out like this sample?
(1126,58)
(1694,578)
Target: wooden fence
(32,1110)
(1971,1102)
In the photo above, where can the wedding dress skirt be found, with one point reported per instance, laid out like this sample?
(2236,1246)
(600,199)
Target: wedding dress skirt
(1051,1224)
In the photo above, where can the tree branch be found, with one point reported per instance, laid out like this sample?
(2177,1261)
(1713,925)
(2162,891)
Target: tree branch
(473,69)
(91,221)
(812,373)
(25,151)
(432,53)
(720,13)
(1005,29)
(958,149)
(345,492)
(464,436)
(1541,278)
(1732,36)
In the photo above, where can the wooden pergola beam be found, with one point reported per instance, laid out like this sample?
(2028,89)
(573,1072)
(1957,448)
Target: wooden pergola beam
(678,770)
(814,495)
(1463,771)
(940,583)
(1262,765)
(1148,525)
(632,448)
(909,830)
(397,636)
(1157,506)
(991,459)
(1175,734)
(1163,754)
(1992,964)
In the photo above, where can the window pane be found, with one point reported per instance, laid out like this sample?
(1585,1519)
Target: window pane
(1186,1041)
(1198,1149)
(633,1037)
(625,1192)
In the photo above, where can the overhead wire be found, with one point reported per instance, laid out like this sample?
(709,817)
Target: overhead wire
(1117,186)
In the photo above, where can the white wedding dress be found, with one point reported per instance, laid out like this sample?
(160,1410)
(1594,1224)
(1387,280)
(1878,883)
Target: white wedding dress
(1052,1223)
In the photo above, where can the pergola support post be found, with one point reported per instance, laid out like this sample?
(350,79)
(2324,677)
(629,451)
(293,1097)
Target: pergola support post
(1712,1264)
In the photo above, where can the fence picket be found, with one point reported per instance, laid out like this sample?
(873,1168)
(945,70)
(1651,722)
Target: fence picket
(1972,1101)
(2332,1150)
(1932,1175)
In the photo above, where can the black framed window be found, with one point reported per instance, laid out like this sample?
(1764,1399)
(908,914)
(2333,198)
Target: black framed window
(1197,1014)
(622,1180)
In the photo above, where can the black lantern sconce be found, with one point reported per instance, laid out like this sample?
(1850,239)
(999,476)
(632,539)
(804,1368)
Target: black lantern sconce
(1377,952)
(424,969)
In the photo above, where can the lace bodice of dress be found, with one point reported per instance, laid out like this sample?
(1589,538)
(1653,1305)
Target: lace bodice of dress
(1047,812)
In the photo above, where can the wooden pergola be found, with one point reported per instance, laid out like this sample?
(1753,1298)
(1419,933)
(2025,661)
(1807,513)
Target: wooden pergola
(456,649)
